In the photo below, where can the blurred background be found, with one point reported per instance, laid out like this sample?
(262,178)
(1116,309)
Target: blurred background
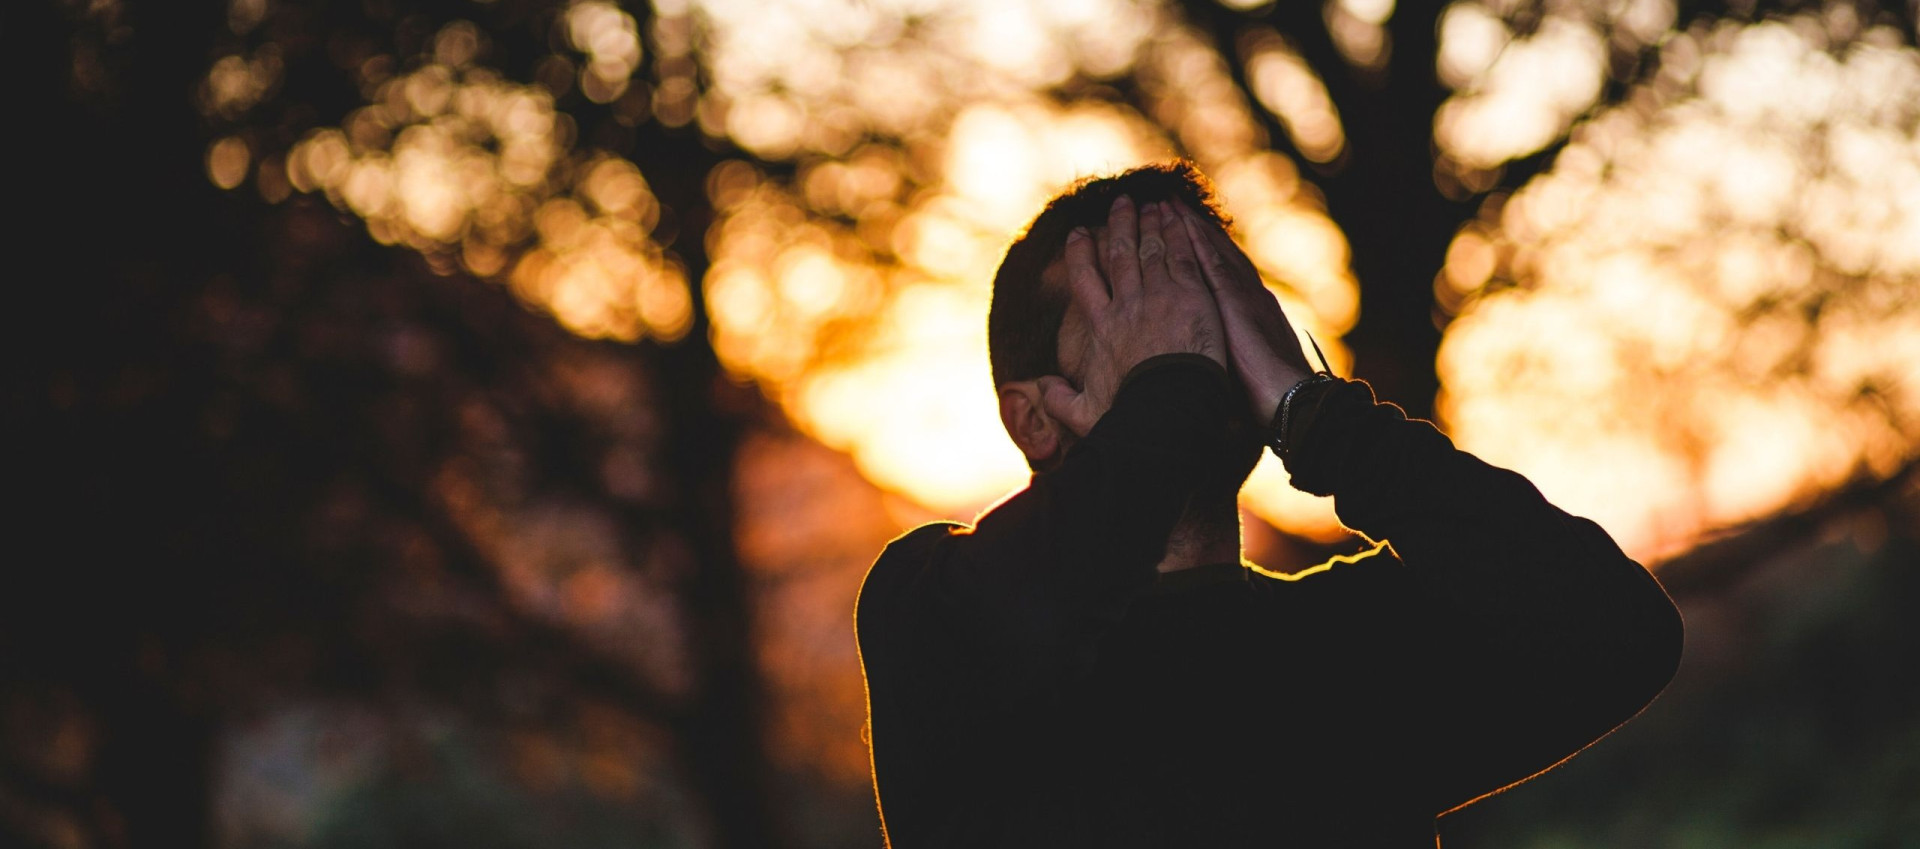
(467,422)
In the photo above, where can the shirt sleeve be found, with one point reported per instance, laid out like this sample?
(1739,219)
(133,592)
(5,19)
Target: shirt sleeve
(1009,610)
(1498,633)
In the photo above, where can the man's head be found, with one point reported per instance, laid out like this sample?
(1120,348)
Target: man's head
(1030,296)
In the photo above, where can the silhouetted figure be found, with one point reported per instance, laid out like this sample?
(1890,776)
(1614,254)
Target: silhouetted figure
(1093,664)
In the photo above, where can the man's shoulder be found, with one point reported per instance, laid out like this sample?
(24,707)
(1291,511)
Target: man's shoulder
(889,581)
(904,558)
(923,537)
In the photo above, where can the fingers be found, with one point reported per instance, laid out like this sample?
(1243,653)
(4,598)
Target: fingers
(1068,406)
(1084,283)
(1121,241)
(1156,243)
(1183,264)
(1153,247)
(1214,265)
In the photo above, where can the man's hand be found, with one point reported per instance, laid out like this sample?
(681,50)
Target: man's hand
(1264,350)
(1153,301)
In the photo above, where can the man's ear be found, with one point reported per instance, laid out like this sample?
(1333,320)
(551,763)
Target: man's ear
(1040,437)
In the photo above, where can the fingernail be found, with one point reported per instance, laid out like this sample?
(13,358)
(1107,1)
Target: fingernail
(1077,234)
(1122,201)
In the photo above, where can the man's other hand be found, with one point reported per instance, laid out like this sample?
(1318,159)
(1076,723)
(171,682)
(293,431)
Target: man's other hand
(1264,351)
(1154,300)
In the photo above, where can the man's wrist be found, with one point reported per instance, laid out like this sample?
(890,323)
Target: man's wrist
(1266,405)
(1290,413)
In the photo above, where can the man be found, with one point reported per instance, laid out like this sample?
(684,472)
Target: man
(1092,664)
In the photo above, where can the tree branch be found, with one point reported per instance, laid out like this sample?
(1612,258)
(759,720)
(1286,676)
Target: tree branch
(1722,562)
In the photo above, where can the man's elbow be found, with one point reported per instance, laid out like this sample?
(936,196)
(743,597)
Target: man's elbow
(1653,638)
(1629,657)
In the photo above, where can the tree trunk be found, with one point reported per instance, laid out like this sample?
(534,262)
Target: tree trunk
(1381,190)
(723,735)
(98,599)
(1396,220)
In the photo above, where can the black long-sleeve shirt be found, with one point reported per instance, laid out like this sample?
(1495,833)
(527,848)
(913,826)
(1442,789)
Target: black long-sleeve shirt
(1033,681)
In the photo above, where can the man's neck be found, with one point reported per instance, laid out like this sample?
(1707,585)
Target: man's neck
(1205,534)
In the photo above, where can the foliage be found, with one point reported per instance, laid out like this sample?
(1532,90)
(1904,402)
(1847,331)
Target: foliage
(425,367)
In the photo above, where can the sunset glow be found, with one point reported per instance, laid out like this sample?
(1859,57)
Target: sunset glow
(1712,273)
(858,291)
(1516,93)
(1704,312)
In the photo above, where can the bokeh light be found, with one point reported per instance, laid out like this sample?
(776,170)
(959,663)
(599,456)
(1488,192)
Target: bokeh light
(478,172)
(1518,91)
(1358,28)
(1288,87)
(921,134)
(1704,312)
(857,290)
(1709,217)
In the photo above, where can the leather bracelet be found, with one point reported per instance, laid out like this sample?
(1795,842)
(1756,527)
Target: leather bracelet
(1283,416)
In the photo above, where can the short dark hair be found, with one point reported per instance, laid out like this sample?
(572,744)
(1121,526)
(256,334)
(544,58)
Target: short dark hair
(1023,324)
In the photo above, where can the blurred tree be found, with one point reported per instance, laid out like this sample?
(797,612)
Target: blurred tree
(265,458)
(1699,314)
(411,351)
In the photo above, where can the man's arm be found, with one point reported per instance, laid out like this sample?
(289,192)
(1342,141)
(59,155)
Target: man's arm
(1521,633)
(1504,637)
